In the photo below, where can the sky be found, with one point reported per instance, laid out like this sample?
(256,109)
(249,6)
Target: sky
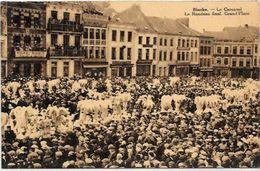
(210,23)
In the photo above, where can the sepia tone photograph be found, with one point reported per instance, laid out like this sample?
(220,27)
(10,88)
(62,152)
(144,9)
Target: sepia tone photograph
(130,84)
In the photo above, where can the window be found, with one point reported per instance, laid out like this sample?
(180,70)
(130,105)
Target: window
(160,55)
(171,56)
(27,40)
(154,54)
(179,56)
(248,51)
(241,50)
(53,69)
(205,50)
(196,56)
(248,62)
(234,62)
(165,55)
(98,34)
(256,49)
(66,16)
(165,69)
(179,42)
(147,40)
(155,40)
(187,56)
(16,40)
(255,62)
(140,40)
(66,40)
(191,43)
(140,54)
(219,49)
(160,71)
(54,15)
(196,43)
(191,56)
(77,41)
(209,63)
(103,52)
(103,34)
(85,34)
(77,18)
(161,41)
(241,62)
(218,61)
(129,38)
(165,42)
(91,33)
(27,20)
(147,53)
(66,69)
(171,42)
(91,51)
(209,50)
(226,50)
(129,53)
(122,36)
(113,53)
(234,50)
(113,35)
(183,56)
(183,42)
(188,43)
(225,61)
(37,41)
(121,53)
(97,52)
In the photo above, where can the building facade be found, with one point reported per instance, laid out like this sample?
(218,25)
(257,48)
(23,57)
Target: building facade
(94,42)
(63,39)
(3,39)
(206,56)
(26,38)
(120,51)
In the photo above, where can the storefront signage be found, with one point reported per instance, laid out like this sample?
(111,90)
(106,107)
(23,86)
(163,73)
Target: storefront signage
(36,54)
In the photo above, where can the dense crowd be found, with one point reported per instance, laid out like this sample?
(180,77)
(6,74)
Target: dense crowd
(141,122)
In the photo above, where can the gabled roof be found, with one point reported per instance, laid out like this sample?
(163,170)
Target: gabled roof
(246,33)
(134,15)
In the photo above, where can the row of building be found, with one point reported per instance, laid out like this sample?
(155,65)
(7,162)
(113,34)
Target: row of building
(61,39)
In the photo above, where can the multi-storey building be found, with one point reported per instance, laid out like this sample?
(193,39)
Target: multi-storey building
(26,38)
(256,59)
(120,49)
(158,51)
(234,51)
(94,42)
(3,39)
(64,31)
(206,54)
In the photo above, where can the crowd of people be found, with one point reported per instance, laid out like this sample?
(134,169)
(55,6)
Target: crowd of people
(142,122)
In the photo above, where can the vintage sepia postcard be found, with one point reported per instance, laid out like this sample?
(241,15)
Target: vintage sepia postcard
(130,84)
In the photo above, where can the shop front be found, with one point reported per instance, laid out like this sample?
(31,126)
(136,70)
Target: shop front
(143,67)
(241,72)
(121,69)
(182,70)
(206,72)
(3,68)
(93,70)
(28,68)
(194,70)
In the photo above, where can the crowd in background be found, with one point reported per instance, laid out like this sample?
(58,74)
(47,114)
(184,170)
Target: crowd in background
(125,123)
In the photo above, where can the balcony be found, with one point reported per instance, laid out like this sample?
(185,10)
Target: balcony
(69,51)
(66,26)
